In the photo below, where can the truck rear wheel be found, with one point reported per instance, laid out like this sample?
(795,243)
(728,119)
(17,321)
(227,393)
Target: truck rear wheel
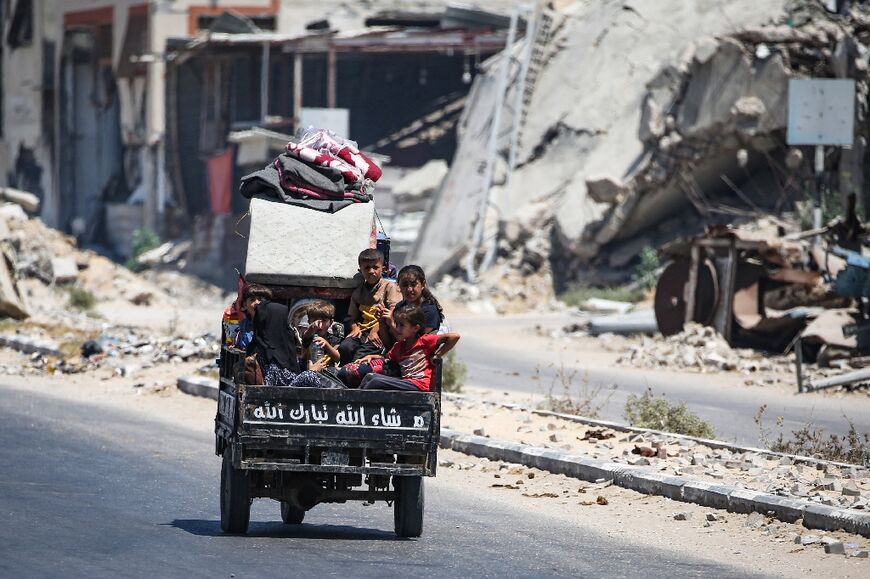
(291,515)
(235,498)
(408,507)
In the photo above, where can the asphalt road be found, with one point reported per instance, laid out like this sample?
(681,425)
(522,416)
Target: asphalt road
(103,493)
(722,400)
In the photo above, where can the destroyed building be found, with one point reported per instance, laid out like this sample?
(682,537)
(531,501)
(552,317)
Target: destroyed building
(640,122)
(128,114)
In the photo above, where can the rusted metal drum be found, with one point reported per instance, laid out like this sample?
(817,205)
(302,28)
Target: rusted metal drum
(670,301)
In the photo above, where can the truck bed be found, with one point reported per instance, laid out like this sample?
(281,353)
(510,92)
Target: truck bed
(328,430)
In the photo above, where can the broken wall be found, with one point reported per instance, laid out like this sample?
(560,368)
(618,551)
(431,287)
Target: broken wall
(26,147)
(626,93)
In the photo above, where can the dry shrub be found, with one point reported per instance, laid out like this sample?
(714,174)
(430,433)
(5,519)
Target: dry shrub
(648,411)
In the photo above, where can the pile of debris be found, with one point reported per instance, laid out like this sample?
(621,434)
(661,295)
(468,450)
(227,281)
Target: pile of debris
(125,350)
(40,263)
(698,348)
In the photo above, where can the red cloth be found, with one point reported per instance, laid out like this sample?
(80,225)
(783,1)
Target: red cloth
(219,169)
(416,361)
(361,162)
(350,173)
(325,141)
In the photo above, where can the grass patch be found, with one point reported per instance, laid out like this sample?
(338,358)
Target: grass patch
(655,412)
(647,271)
(81,299)
(583,400)
(577,294)
(453,374)
(143,240)
(811,440)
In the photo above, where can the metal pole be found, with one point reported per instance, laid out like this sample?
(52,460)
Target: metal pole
(799,363)
(491,150)
(520,84)
(297,91)
(820,170)
(264,83)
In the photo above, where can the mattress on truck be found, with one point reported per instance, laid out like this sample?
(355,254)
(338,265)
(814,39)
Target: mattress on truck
(291,245)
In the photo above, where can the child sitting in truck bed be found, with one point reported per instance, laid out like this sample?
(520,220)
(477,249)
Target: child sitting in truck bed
(415,292)
(413,352)
(323,334)
(374,291)
(274,342)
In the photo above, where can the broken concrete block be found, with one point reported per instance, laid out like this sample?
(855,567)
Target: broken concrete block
(421,182)
(28,201)
(12,302)
(64,269)
(850,489)
(810,540)
(754,520)
(835,548)
(861,554)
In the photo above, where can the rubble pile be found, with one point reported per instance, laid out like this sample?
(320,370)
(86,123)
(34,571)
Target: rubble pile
(40,261)
(125,350)
(698,348)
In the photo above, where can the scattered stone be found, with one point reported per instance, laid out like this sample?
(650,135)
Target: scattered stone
(861,554)
(682,516)
(810,540)
(754,520)
(835,548)
(713,517)
(555,438)
(850,489)
(479,432)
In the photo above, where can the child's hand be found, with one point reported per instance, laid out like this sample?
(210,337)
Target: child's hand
(375,338)
(318,365)
(320,341)
(354,333)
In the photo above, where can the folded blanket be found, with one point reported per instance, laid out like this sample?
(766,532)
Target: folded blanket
(325,141)
(328,180)
(349,172)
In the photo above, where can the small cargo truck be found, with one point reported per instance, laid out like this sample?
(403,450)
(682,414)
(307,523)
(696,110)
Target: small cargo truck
(307,446)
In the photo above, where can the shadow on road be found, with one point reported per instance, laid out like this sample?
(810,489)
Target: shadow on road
(207,528)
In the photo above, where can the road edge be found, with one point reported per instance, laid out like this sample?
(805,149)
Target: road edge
(705,493)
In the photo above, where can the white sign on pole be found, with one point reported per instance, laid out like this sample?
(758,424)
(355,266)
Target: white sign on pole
(821,111)
(336,120)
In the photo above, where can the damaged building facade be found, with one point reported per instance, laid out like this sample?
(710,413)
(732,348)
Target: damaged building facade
(644,122)
(133,114)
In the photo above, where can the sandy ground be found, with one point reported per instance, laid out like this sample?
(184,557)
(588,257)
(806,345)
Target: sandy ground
(636,518)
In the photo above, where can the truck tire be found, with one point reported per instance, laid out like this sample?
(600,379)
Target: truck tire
(408,507)
(235,499)
(291,515)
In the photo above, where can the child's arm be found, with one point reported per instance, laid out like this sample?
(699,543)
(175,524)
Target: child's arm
(353,317)
(445,343)
(368,358)
(328,348)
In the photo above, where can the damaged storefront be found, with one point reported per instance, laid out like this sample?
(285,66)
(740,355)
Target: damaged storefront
(234,100)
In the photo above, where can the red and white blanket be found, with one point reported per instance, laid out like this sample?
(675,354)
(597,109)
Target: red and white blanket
(327,142)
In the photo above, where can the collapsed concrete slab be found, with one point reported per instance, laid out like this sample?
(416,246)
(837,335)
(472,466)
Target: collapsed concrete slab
(643,118)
